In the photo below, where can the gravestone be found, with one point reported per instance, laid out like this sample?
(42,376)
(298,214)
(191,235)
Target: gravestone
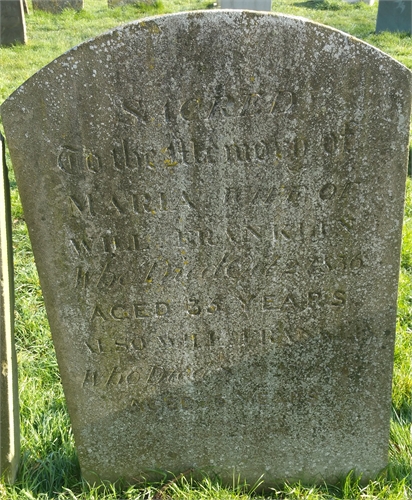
(12,22)
(57,6)
(215,204)
(9,399)
(368,2)
(245,4)
(394,15)
(119,3)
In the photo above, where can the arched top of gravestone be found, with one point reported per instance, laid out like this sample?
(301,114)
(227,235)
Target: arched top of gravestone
(180,40)
(205,68)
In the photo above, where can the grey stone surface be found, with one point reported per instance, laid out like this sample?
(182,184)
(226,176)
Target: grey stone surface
(394,15)
(12,22)
(56,6)
(215,204)
(118,3)
(9,398)
(368,2)
(245,4)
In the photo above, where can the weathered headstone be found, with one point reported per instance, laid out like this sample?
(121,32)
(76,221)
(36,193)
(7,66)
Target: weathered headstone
(394,15)
(12,22)
(119,3)
(9,399)
(215,205)
(57,6)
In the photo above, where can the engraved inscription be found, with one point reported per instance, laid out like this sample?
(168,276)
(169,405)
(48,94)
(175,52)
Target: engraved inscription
(269,243)
(193,306)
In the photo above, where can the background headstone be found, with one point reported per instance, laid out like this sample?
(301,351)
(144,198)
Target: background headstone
(245,4)
(394,15)
(369,2)
(56,6)
(9,398)
(118,3)
(12,22)
(216,220)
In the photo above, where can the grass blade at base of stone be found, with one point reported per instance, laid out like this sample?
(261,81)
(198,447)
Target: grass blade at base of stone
(49,467)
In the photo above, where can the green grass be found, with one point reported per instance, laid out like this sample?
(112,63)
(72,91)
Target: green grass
(49,467)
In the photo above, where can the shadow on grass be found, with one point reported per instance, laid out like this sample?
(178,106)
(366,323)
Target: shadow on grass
(323,4)
(42,483)
(402,414)
(50,475)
